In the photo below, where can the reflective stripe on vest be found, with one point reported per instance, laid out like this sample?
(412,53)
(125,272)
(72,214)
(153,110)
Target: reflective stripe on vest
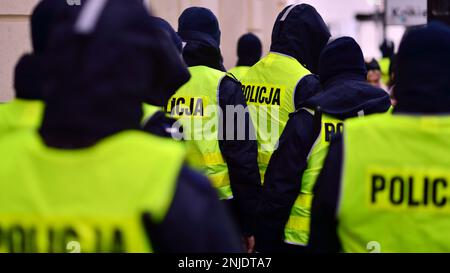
(195,106)
(395,191)
(20,114)
(269,88)
(297,227)
(87,200)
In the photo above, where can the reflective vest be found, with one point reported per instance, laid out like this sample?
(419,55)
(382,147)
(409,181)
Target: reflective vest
(196,107)
(239,71)
(20,114)
(395,192)
(269,87)
(87,200)
(297,228)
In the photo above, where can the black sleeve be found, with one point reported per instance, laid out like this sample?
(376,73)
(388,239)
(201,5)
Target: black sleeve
(197,221)
(240,151)
(305,89)
(323,237)
(282,181)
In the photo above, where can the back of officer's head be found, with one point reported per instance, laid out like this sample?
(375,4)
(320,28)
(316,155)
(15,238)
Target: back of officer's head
(104,64)
(249,50)
(196,21)
(29,73)
(300,32)
(45,15)
(342,56)
(423,70)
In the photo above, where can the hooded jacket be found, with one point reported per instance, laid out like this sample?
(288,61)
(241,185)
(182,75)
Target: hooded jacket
(423,88)
(98,76)
(344,94)
(301,33)
(199,30)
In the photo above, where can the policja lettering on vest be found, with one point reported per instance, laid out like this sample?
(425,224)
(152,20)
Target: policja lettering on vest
(187,106)
(410,191)
(260,94)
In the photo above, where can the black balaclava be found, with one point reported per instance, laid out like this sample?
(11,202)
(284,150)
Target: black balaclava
(101,67)
(423,71)
(301,33)
(199,29)
(29,72)
(249,50)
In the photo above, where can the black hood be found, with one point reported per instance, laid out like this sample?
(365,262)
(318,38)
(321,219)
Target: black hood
(342,56)
(102,66)
(423,71)
(199,30)
(249,50)
(300,32)
(345,90)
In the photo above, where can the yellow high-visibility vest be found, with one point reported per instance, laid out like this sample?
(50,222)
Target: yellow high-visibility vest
(239,71)
(395,192)
(297,228)
(269,88)
(196,107)
(86,200)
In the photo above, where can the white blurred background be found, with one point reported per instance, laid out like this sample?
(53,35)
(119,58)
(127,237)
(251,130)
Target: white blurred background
(340,17)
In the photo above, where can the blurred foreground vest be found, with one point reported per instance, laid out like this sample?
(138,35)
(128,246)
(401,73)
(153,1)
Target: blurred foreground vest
(395,193)
(196,107)
(269,88)
(87,200)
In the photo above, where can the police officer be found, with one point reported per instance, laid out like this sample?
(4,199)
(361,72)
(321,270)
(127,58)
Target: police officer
(295,165)
(89,180)
(25,111)
(249,50)
(271,87)
(224,150)
(384,185)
